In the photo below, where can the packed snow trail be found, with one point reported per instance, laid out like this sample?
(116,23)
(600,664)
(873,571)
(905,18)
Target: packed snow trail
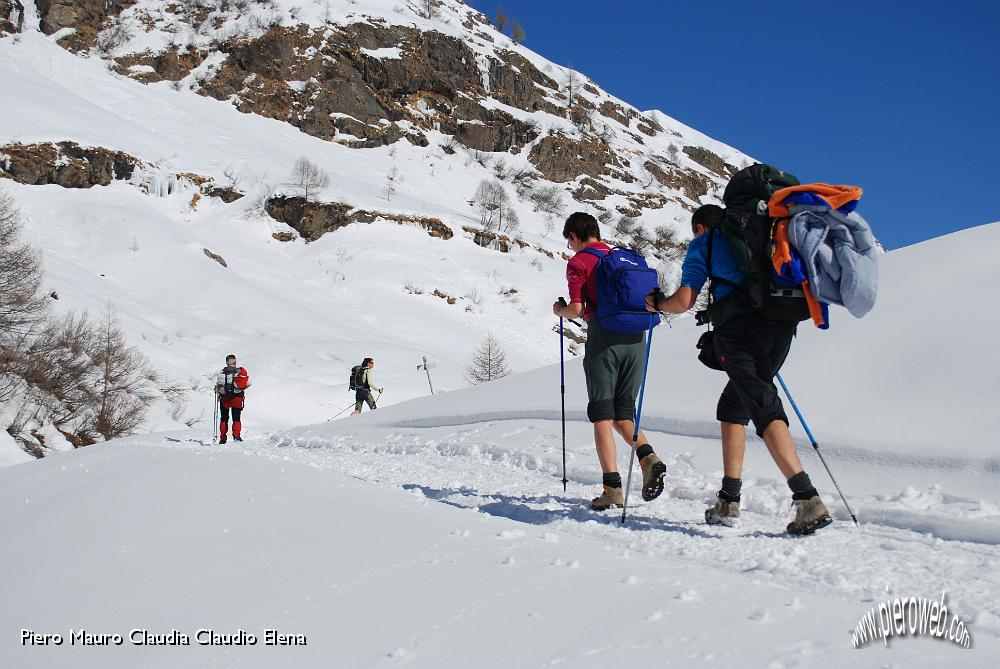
(910,540)
(368,549)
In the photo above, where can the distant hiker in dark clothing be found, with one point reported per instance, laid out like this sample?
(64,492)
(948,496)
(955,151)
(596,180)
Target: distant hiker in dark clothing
(612,363)
(363,385)
(230,385)
(751,350)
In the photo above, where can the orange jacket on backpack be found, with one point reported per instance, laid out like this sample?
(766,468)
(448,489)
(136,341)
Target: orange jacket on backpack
(835,196)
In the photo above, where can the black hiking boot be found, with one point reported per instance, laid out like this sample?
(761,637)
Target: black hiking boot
(237,438)
(222,439)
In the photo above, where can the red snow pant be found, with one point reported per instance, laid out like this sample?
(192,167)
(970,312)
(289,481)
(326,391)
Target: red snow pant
(225,404)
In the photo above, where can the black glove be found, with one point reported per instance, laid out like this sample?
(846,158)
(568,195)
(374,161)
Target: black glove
(657,295)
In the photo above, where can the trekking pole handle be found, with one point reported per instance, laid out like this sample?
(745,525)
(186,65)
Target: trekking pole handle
(657,294)
(562,301)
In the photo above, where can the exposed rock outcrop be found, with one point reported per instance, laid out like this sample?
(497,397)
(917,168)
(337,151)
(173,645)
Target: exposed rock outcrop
(11,16)
(371,82)
(216,257)
(488,239)
(710,161)
(85,16)
(171,65)
(694,184)
(225,193)
(66,164)
(349,86)
(70,165)
(562,158)
(312,220)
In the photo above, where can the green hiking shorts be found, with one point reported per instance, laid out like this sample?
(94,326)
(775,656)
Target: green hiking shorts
(612,363)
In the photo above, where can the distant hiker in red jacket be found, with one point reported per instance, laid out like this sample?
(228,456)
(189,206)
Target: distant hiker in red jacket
(230,385)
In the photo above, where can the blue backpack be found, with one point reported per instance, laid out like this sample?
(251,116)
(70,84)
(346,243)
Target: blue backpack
(623,281)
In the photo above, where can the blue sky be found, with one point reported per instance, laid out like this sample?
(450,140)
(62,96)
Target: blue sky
(902,99)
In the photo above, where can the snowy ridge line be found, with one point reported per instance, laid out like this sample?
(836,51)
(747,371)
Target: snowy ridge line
(710,430)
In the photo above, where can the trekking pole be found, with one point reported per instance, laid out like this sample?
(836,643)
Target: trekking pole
(215,416)
(562,390)
(562,387)
(341,411)
(638,413)
(377,398)
(815,446)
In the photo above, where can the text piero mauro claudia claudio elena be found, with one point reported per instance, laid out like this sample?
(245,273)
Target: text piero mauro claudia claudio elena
(144,637)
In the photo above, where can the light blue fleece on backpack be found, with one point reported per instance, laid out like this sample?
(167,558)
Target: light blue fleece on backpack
(839,253)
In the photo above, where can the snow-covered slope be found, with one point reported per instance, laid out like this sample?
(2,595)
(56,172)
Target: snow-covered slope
(299,315)
(914,377)
(436,531)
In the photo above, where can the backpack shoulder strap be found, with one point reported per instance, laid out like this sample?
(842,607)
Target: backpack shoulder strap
(594,252)
(712,279)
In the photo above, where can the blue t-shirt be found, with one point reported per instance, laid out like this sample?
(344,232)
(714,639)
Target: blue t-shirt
(694,272)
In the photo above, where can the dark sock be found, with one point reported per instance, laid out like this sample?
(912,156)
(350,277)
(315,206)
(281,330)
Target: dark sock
(731,487)
(643,451)
(613,480)
(801,486)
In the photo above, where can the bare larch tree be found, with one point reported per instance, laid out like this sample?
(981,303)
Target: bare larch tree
(489,363)
(126,386)
(308,177)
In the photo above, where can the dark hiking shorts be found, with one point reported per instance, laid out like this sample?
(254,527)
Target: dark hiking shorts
(752,351)
(362,396)
(612,363)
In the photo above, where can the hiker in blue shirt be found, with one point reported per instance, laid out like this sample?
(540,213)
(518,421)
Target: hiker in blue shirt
(750,348)
(694,271)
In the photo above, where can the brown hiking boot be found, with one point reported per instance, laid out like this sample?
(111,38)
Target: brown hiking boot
(610,497)
(810,515)
(723,513)
(653,470)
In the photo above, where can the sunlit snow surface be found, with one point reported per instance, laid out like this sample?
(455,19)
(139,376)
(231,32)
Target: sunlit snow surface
(435,532)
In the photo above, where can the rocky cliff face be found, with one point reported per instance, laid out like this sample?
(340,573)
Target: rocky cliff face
(66,164)
(366,80)
(86,17)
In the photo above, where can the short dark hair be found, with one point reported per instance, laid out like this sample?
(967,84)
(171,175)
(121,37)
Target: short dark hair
(231,355)
(364,363)
(583,225)
(709,215)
